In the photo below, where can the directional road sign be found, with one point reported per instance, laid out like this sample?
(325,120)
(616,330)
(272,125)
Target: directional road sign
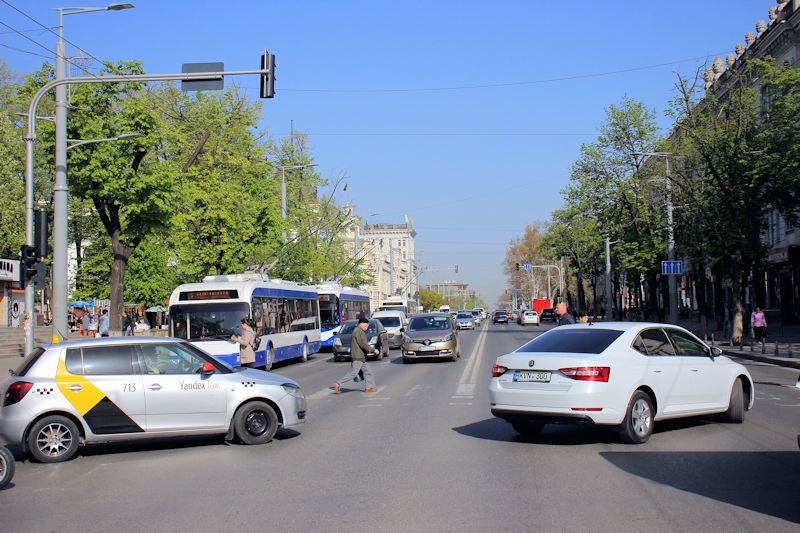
(672,268)
(527,266)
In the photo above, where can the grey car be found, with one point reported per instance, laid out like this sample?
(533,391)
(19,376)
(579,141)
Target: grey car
(126,388)
(376,336)
(431,335)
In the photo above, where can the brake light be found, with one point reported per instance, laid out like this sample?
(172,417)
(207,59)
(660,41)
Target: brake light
(16,392)
(587,373)
(498,370)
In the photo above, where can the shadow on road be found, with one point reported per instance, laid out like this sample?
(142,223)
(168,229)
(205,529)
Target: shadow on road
(765,482)
(566,434)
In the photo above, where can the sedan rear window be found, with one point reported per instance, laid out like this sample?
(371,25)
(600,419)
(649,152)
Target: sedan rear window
(390,321)
(573,340)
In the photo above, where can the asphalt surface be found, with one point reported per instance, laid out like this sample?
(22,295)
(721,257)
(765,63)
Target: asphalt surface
(425,454)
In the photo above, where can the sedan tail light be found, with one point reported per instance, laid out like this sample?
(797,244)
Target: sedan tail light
(498,370)
(16,392)
(587,373)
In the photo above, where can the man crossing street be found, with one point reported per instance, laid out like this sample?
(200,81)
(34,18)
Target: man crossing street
(359,348)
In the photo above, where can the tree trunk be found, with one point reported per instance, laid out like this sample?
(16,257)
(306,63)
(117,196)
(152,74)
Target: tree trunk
(119,264)
(581,303)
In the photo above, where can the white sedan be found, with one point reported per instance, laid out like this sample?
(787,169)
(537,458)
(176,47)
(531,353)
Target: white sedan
(617,373)
(529,317)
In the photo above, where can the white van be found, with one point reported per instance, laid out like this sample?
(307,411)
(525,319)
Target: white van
(444,309)
(395,323)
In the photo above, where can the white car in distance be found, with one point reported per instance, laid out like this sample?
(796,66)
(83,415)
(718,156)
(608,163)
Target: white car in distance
(624,374)
(529,317)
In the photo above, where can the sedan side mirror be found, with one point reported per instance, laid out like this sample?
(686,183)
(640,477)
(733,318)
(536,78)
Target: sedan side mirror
(402,330)
(715,352)
(207,369)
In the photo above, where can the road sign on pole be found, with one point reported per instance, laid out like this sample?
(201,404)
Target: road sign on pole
(527,266)
(672,268)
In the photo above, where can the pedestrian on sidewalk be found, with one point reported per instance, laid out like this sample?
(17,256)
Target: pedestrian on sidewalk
(102,327)
(564,316)
(759,324)
(85,321)
(247,344)
(359,348)
(583,318)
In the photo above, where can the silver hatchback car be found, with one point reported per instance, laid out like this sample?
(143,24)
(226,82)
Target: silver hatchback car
(126,388)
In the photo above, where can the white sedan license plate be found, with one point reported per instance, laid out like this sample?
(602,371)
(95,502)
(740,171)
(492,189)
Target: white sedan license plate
(531,376)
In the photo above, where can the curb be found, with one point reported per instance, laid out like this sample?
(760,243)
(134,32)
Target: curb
(771,361)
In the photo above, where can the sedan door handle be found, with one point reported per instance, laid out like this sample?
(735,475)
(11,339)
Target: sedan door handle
(155,386)
(657,371)
(75,388)
(694,369)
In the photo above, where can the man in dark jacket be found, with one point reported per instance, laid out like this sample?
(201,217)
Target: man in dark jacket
(564,316)
(359,348)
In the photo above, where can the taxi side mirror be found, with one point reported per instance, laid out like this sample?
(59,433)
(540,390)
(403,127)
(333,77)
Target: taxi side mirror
(207,369)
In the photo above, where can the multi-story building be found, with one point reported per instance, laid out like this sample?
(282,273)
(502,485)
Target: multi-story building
(778,286)
(388,251)
(451,289)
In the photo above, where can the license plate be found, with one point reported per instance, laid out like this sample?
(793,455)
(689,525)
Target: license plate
(531,376)
(427,349)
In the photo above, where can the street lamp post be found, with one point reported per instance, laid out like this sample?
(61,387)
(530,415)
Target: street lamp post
(60,191)
(672,282)
(121,137)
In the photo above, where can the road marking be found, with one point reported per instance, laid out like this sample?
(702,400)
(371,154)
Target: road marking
(466,389)
(460,403)
(320,394)
(471,363)
(371,405)
(417,389)
(466,385)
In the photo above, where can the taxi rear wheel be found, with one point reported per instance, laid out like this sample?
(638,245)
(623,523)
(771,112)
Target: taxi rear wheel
(53,439)
(255,423)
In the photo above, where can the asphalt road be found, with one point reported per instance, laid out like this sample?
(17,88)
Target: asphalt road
(425,454)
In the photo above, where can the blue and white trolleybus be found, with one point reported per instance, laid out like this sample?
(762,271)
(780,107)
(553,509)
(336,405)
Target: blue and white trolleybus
(337,305)
(285,316)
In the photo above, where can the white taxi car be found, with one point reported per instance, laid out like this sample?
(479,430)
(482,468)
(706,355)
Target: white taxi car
(126,388)
(616,373)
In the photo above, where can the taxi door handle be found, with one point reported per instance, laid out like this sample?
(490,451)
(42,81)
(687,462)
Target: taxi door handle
(75,388)
(155,386)
(694,369)
(657,371)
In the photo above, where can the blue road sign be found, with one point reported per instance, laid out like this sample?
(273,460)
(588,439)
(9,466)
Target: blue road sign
(672,268)
(527,266)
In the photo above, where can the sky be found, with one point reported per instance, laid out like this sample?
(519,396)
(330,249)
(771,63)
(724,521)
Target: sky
(463,115)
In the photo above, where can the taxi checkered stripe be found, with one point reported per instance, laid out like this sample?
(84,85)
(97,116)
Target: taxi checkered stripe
(103,416)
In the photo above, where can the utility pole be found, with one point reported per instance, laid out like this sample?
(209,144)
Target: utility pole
(672,283)
(609,292)
(59,225)
(671,280)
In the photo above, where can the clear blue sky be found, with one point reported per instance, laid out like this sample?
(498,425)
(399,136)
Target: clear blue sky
(494,159)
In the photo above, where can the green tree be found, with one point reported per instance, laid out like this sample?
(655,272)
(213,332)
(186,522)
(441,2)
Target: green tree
(131,183)
(738,159)
(12,201)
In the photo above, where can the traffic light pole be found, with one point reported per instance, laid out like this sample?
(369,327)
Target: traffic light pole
(60,274)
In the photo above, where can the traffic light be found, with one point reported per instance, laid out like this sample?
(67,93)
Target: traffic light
(517,267)
(268,78)
(29,257)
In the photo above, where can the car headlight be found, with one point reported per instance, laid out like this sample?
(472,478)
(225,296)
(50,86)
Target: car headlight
(373,340)
(448,338)
(406,338)
(292,389)
(337,341)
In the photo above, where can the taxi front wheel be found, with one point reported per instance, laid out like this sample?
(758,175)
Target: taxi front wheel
(53,439)
(255,423)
